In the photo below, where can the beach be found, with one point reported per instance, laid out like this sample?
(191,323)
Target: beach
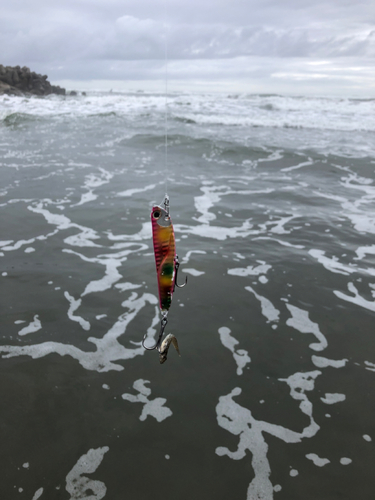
(272,202)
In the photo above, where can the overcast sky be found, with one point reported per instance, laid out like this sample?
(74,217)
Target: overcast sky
(269,46)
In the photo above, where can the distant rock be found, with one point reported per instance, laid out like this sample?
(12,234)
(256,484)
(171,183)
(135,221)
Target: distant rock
(18,81)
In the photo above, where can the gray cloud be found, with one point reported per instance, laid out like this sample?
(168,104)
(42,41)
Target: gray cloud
(113,39)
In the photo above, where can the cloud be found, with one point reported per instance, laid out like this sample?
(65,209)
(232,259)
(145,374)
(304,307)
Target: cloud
(117,39)
(131,38)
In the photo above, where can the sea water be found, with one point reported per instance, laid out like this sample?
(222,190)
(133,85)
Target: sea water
(273,204)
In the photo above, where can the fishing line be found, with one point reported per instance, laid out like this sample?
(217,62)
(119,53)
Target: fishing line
(166,95)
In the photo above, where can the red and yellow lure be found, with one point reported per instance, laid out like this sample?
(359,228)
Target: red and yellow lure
(167,265)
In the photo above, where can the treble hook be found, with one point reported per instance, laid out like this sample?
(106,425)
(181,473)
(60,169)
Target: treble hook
(163,324)
(176,266)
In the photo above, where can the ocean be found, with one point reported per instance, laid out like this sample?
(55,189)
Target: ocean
(272,199)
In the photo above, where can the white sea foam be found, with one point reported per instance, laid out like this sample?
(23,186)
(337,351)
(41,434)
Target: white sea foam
(74,305)
(38,494)
(93,181)
(239,256)
(356,299)
(251,270)
(345,461)
(193,272)
(129,192)
(320,362)
(281,242)
(365,250)
(111,262)
(212,109)
(20,243)
(33,327)
(370,366)
(82,239)
(5,243)
(144,234)
(333,398)
(152,407)
(367,438)
(333,264)
(240,356)
(319,462)
(213,194)
(80,486)
(186,259)
(240,422)
(301,322)
(127,286)
(268,310)
(108,348)
(217,232)
(300,165)
(278,225)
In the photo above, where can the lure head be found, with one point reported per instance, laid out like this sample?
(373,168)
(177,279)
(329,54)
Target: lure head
(160,216)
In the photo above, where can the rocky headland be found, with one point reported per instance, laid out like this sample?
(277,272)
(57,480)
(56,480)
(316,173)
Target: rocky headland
(18,81)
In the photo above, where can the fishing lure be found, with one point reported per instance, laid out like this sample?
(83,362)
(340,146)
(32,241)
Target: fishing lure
(167,265)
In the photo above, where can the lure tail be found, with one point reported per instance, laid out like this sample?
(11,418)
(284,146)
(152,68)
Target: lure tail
(163,351)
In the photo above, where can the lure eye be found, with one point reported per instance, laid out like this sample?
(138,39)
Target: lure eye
(156,214)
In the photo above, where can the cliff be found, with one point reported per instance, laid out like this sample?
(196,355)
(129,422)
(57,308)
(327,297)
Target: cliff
(15,80)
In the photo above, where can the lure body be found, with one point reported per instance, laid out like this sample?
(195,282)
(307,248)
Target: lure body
(167,265)
(165,255)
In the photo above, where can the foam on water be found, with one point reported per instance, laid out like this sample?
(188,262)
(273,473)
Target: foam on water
(331,399)
(370,366)
(82,239)
(333,264)
(240,356)
(34,326)
(153,407)
(240,422)
(186,259)
(269,311)
(111,262)
(80,486)
(38,494)
(74,305)
(250,270)
(93,181)
(321,362)
(193,272)
(301,322)
(319,462)
(108,348)
(356,298)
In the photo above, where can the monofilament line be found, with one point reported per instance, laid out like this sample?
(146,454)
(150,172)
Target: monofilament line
(166,95)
